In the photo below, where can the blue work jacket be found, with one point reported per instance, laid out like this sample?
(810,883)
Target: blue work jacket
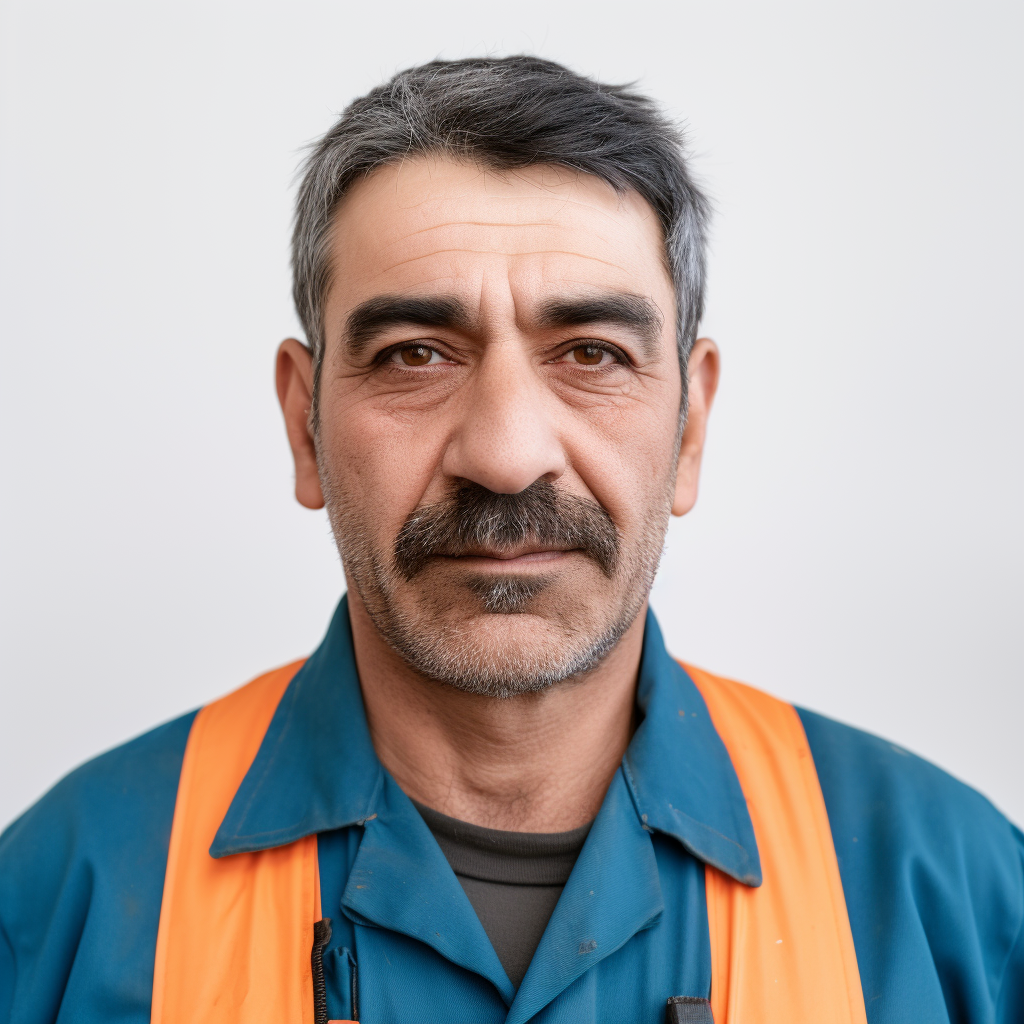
(933,874)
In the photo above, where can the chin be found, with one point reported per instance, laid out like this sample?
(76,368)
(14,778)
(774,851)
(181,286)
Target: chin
(504,654)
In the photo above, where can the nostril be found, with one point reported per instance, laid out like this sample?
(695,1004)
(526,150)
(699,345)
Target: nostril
(507,462)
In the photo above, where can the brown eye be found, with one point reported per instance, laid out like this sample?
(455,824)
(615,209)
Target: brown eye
(588,355)
(416,355)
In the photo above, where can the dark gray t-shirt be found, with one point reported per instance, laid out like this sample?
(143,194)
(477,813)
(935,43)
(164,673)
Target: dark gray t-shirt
(513,880)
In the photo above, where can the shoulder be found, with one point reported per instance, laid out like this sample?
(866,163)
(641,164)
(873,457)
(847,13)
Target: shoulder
(933,873)
(102,802)
(877,784)
(81,876)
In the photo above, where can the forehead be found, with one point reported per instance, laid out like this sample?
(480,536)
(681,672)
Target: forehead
(433,224)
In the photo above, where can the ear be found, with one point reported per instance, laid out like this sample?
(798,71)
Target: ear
(702,369)
(295,393)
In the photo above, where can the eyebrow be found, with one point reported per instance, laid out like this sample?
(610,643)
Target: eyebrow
(634,312)
(369,318)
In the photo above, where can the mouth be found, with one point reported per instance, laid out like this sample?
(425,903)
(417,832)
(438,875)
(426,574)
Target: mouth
(512,559)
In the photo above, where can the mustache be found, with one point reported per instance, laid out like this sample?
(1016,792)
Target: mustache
(472,517)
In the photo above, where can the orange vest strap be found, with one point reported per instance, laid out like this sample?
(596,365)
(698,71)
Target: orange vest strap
(236,935)
(781,953)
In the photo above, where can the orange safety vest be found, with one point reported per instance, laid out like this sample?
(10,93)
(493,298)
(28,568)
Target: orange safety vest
(236,934)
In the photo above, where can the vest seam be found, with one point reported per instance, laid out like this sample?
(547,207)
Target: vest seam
(801,737)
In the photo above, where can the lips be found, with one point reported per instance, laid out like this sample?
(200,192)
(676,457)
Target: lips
(526,554)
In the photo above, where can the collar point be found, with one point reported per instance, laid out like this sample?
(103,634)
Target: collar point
(224,846)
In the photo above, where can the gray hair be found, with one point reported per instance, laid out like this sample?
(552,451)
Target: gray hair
(503,113)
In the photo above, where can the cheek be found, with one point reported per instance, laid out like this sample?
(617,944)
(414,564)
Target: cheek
(626,459)
(380,464)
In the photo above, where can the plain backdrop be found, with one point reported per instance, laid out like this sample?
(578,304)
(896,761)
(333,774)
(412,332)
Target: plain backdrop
(857,544)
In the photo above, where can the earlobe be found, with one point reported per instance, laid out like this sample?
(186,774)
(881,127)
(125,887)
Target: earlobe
(703,370)
(294,378)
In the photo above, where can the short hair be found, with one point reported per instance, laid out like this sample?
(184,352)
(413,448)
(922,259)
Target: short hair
(504,113)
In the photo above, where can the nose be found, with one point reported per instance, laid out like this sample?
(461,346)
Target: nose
(506,437)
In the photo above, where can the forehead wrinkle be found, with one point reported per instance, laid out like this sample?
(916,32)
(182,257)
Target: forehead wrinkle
(552,229)
(482,224)
(555,234)
(645,210)
(607,201)
(613,215)
(494,252)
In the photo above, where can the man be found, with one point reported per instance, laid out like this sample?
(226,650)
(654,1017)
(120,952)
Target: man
(491,795)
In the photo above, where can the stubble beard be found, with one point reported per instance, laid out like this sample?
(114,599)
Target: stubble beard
(514,648)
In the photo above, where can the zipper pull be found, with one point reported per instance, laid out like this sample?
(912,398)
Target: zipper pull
(321,936)
(688,1010)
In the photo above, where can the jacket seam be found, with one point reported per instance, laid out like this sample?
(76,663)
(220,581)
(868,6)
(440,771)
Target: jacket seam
(1014,946)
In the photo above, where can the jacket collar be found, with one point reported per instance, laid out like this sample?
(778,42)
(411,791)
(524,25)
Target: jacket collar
(681,776)
(316,769)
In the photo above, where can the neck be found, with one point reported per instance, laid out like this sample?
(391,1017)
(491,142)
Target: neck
(539,762)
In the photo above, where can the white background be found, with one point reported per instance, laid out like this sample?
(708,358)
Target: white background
(857,545)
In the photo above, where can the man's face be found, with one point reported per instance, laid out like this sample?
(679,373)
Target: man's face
(499,413)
